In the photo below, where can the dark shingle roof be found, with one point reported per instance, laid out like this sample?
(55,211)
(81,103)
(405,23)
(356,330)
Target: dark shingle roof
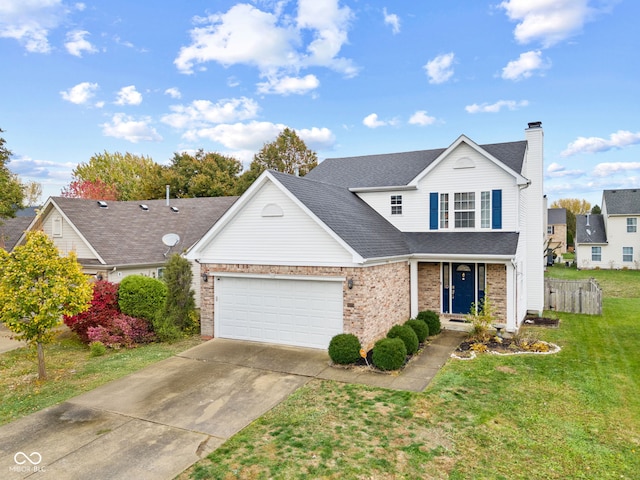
(372,236)
(396,169)
(359,225)
(594,232)
(125,234)
(622,202)
(557,216)
(11,229)
(463,243)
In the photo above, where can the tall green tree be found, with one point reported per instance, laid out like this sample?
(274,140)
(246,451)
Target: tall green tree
(38,287)
(287,153)
(11,192)
(574,206)
(127,173)
(180,307)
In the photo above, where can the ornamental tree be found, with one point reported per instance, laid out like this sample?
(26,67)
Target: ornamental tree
(38,287)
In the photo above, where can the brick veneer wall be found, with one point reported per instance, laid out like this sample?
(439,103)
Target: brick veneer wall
(379,299)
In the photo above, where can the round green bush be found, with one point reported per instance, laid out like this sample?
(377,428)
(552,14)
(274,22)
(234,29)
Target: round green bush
(389,353)
(407,335)
(420,327)
(432,319)
(344,348)
(141,297)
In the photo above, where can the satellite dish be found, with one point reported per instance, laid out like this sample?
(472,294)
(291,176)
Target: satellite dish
(171,239)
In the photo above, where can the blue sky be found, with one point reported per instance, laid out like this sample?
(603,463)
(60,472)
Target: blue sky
(352,77)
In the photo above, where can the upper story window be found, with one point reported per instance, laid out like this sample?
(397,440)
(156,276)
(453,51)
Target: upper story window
(632,225)
(485,210)
(396,204)
(596,254)
(444,210)
(464,206)
(550,229)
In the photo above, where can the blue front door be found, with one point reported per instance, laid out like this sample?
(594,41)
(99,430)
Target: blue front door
(464,283)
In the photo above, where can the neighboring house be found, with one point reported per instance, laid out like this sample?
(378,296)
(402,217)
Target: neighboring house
(360,244)
(557,230)
(115,239)
(610,240)
(11,229)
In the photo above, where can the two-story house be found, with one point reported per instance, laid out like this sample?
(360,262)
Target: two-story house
(610,240)
(360,244)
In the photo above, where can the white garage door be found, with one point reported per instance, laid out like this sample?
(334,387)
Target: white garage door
(287,311)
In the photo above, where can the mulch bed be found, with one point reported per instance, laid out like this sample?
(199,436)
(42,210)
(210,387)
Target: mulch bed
(533,321)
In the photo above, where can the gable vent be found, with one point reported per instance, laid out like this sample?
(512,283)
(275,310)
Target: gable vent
(102,204)
(144,207)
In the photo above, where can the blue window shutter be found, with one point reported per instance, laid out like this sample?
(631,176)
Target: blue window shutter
(496,209)
(433,211)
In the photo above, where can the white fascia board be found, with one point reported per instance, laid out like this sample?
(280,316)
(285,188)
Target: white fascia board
(402,188)
(520,180)
(443,257)
(283,263)
(276,276)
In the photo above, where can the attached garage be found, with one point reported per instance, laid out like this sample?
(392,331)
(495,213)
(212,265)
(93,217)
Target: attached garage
(305,312)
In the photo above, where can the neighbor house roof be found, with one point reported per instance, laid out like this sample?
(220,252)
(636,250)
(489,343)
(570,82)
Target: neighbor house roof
(130,233)
(622,202)
(397,169)
(557,216)
(593,232)
(11,229)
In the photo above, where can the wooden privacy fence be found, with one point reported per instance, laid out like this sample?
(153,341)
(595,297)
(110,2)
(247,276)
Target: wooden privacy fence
(573,296)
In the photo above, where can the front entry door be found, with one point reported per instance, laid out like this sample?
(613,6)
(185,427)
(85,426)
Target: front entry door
(464,280)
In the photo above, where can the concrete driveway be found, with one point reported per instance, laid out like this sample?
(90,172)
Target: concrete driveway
(157,422)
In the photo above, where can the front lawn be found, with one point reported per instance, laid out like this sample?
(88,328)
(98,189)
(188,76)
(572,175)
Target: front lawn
(574,414)
(71,371)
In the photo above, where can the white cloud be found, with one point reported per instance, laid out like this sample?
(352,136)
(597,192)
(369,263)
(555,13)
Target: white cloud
(547,21)
(317,138)
(555,170)
(239,136)
(440,69)
(620,139)
(201,113)
(27,167)
(29,22)
(421,118)
(126,127)
(81,93)
(525,66)
(129,96)
(76,43)
(290,85)
(372,121)
(611,168)
(173,92)
(274,42)
(496,107)
(393,20)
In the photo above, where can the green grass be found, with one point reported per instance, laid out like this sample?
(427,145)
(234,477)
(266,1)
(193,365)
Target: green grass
(71,370)
(571,415)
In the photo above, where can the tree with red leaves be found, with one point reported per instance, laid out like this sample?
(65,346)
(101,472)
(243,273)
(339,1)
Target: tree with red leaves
(90,190)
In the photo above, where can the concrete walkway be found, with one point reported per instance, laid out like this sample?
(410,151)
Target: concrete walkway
(7,342)
(157,422)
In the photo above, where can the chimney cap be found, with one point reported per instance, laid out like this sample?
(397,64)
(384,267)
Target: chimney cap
(535,124)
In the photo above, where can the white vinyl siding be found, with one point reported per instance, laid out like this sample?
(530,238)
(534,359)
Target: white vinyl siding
(64,236)
(292,238)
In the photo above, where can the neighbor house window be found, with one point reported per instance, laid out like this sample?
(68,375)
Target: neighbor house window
(627,254)
(464,205)
(160,272)
(444,210)
(396,204)
(596,254)
(485,210)
(632,225)
(550,230)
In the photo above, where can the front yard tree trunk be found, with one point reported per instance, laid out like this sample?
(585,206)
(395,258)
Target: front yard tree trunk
(42,373)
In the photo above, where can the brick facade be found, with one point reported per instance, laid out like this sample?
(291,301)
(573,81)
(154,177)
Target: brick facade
(378,300)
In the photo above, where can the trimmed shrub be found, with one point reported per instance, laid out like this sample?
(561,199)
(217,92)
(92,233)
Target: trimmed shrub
(180,307)
(407,335)
(142,297)
(104,307)
(344,349)
(432,319)
(420,327)
(122,331)
(97,349)
(389,353)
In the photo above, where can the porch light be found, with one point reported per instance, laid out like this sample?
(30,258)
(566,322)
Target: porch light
(350,283)
(205,277)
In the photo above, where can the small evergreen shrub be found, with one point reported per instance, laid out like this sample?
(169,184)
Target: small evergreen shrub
(389,353)
(97,349)
(420,327)
(180,307)
(407,335)
(432,319)
(104,307)
(165,329)
(344,349)
(142,297)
